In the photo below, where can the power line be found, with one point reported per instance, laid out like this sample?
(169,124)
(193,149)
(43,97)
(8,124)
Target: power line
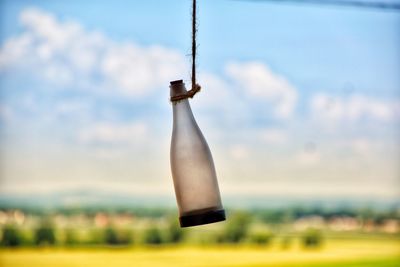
(350,3)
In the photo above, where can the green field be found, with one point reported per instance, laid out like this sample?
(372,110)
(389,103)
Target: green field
(333,253)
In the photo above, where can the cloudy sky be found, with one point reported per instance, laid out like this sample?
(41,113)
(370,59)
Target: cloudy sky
(297,100)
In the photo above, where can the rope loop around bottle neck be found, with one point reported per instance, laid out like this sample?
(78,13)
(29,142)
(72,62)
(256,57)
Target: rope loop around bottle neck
(189,94)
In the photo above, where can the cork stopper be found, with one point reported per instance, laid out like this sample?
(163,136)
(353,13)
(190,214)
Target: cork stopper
(177,88)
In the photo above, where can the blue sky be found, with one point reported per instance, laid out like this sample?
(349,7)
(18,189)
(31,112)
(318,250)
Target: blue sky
(297,100)
(351,43)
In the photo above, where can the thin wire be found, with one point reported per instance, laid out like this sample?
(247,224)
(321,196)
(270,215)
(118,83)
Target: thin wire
(351,3)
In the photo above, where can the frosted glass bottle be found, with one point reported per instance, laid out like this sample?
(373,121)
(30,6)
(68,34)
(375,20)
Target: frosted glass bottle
(193,171)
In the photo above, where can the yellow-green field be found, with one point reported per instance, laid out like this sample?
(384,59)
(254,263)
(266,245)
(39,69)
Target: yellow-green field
(334,253)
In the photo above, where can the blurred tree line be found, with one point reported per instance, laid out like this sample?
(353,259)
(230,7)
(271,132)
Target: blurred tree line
(160,226)
(47,234)
(270,215)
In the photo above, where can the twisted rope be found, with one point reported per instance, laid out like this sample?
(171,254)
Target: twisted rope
(195,87)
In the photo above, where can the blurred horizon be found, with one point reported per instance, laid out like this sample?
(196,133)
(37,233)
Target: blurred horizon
(87,198)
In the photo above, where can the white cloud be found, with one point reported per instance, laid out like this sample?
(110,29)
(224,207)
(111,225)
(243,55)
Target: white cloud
(273,136)
(239,152)
(64,53)
(46,27)
(5,113)
(259,81)
(72,107)
(215,92)
(367,147)
(355,107)
(114,134)
(137,70)
(362,146)
(308,158)
(14,50)
(219,101)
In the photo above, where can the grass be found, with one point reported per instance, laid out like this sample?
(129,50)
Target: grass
(334,253)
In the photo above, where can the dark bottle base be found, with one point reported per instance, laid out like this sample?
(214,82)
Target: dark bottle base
(205,217)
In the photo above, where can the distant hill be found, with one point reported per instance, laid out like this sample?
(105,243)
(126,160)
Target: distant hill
(88,198)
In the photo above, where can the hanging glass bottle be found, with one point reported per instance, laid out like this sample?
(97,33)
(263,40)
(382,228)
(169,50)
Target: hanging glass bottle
(192,166)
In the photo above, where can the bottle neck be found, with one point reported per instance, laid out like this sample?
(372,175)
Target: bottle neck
(182,111)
